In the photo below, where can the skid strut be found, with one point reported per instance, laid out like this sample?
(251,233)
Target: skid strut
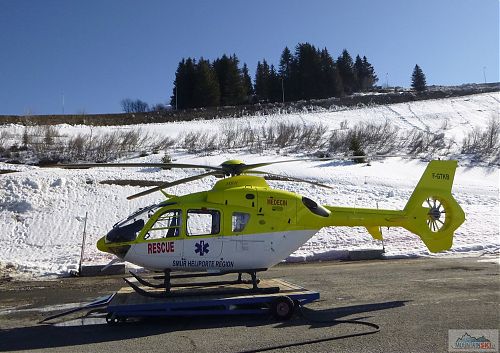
(167,284)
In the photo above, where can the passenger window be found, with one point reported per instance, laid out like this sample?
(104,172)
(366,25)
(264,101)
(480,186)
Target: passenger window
(203,222)
(166,226)
(239,221)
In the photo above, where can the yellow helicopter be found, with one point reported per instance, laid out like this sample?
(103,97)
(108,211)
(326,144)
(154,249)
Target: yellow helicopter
(244,226)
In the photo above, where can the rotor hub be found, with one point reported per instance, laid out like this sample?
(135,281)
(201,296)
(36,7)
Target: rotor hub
(434,213)
(233,167)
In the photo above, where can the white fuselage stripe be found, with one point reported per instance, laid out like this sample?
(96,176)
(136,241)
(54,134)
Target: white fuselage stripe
(254,251)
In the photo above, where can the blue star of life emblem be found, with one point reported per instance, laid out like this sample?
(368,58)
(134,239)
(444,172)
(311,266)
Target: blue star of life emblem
(201,248)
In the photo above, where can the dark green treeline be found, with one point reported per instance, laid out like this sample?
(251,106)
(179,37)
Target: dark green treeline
(309,73)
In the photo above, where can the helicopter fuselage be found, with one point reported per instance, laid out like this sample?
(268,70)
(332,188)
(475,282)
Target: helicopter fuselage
(243,224)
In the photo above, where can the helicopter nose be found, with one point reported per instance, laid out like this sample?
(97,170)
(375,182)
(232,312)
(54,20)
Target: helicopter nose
(119,250)
(101,245)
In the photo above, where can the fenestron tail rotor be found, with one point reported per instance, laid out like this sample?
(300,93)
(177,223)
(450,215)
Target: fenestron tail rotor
(436,216)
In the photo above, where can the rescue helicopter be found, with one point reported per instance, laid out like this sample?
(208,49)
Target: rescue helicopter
(244,226)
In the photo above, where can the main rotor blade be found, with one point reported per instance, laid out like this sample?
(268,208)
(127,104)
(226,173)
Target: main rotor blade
(173,183)
(258,165)
(332,158)
(288,178)
(343,157)
(133,165)
(133,182)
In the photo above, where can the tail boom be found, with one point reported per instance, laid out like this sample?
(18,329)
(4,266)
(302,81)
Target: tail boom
(431,212)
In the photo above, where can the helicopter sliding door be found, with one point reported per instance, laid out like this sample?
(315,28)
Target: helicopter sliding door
(203,236)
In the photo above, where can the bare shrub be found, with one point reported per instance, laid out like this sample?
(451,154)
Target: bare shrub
(50,133)
(161,143)
(45,141)
(384,138)
(228,137)
(338,141)
(105,147)
(285,134)
(268,136)
(4,136)
(27,137)
(483,142)
(197,141)
(77,147)
(249,137)
(424,141)
(491,135)
(189,141)
(378,138)
(311,136)
(129,140)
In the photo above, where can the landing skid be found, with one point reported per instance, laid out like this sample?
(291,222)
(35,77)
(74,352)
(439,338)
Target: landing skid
(223,287)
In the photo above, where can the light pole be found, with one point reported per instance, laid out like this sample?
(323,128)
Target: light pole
(484,73)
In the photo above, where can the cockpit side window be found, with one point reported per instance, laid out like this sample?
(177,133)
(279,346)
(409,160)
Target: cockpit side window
(167,225)
(203,222)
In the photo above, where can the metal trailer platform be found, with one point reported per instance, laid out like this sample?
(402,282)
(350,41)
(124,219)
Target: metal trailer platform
(128,304)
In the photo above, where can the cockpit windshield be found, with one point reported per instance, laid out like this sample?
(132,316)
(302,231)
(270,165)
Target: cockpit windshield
(128,228)
(142,213)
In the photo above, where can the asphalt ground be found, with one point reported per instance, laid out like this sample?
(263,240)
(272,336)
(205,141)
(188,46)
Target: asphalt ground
(414,302)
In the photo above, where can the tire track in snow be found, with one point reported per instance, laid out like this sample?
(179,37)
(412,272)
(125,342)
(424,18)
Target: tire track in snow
(464,121)
(417,117)
(402,118)
(495,98)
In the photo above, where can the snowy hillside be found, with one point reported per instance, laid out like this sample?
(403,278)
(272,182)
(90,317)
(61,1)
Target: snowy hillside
(42,211)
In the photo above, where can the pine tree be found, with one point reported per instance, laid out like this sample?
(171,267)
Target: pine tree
(206,92)
(247,83)
(183,91)
(262,80)
(359,74)
(236,86)
(221,67)
(371,77)
(331,85)
(364,74)
(274,86)
(285,72)
(346,71)
(230,80)
(307,71)
(418,82)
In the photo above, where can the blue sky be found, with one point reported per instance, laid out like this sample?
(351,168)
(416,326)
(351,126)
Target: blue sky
(97,52)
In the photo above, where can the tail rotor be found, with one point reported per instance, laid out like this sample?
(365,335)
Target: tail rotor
(433,213)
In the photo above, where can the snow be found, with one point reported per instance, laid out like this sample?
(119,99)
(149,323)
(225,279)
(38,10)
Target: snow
(42,211)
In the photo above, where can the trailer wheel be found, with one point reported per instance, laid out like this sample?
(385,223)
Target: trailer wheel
(282,308)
